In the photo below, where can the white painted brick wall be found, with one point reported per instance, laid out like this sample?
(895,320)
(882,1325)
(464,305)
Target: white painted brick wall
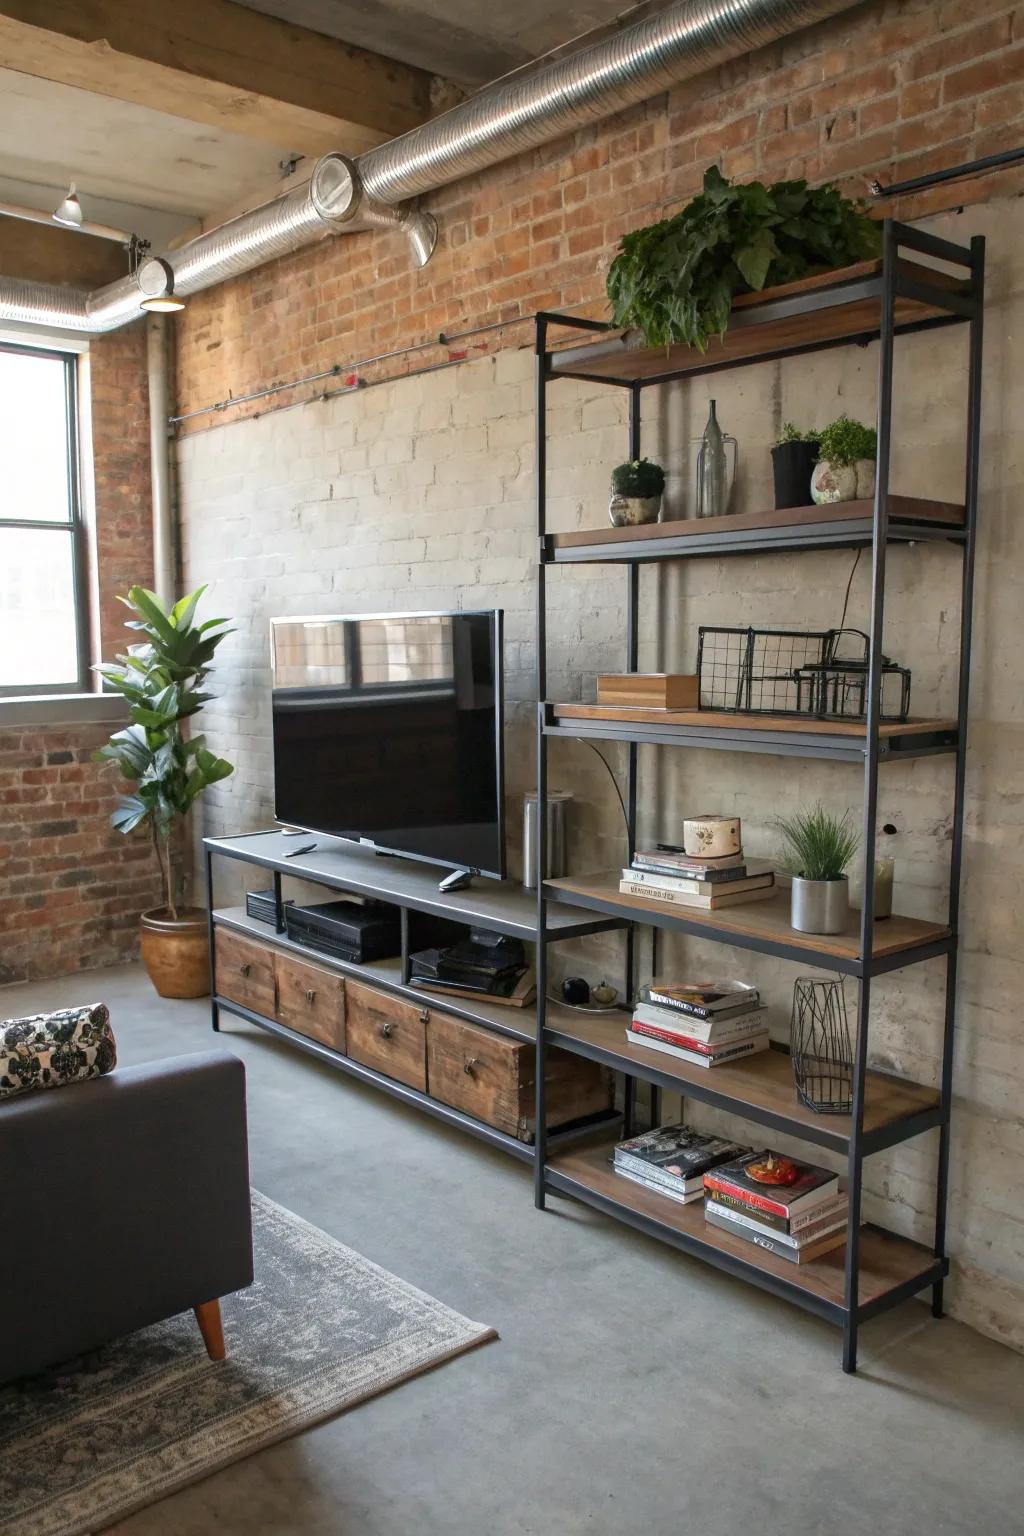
(419,494)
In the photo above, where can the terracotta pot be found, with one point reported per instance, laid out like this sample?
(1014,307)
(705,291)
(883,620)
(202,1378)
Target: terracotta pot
(176,951)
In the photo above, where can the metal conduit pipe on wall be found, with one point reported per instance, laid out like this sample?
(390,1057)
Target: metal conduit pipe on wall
(502,120)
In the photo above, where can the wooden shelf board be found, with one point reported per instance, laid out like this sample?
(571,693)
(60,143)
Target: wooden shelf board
(845,305)
(721,720)
(887,1262)
(763,1082)
(764,921)
(903,510)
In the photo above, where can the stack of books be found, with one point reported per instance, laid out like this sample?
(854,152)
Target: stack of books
(703,1023)
(790,1208)
(672,1160)
(705,884)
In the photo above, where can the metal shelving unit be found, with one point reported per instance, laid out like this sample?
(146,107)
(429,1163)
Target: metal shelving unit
(903,292)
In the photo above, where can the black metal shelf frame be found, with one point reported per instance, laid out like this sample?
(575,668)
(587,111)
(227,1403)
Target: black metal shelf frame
(965,306)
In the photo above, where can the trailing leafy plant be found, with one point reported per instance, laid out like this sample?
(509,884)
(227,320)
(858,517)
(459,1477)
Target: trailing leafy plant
(640,477)
(161,677)
(844,442)
(675,280)
(794,434)
(819,845)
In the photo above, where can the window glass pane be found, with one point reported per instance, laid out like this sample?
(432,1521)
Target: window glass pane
(33,438)
(37,608)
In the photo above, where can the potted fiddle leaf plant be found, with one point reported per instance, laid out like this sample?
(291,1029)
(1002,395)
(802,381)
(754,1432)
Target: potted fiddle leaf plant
(793,459)
(819,846)
(636,492)
(161,677)
(845,470)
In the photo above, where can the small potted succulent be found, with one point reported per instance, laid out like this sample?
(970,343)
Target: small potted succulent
(637,489)
(846,462)
(819,848)
(793,459)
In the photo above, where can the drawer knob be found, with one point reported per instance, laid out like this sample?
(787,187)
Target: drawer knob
(245,969)
(469,1065)
(385,1031)
(310,994)
(424,1015)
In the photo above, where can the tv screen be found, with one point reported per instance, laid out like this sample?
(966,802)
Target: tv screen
(388,728)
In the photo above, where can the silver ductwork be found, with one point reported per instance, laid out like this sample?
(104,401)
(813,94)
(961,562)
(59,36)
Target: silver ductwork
(502,120)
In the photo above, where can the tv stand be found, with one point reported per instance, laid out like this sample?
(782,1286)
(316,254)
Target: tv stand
(458,880)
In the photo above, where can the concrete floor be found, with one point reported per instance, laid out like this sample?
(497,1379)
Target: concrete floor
(632,1388)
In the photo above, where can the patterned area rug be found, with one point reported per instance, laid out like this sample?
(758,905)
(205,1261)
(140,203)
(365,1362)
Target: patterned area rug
(320,1330)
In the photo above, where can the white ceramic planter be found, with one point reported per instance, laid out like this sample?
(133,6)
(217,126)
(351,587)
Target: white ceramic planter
(842,482)
(630,511)
(819,906)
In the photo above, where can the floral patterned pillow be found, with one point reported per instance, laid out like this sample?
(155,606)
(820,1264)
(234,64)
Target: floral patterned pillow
(47,1050)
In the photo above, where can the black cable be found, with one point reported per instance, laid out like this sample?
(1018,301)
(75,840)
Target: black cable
(615,782)
(849,584)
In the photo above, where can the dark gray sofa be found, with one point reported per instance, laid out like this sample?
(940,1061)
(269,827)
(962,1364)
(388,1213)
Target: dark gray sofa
(126,1201)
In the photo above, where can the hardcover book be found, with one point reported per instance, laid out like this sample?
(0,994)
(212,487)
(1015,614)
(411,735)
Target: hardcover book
(700,1058)
(773,1244)
(675,1153)
(700,903)
(686,862)
(681,1194)
(710,877)
(694,887)
(793,1225)
(822,1226)
(701,998)
(767,1181)
(679,1029)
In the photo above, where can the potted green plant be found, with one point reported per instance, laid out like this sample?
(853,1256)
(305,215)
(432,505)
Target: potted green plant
(793,459)
(637,489)
(161,677)
(819,846)
(675,281)
(845,470)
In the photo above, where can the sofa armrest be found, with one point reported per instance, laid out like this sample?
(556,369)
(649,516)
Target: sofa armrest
(127,1201)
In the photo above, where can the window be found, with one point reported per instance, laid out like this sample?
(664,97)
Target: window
(43,621)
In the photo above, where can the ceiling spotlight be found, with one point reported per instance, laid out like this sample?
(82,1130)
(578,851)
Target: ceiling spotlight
(155,278)
(69,212)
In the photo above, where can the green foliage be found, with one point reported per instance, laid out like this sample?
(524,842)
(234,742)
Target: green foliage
(675,280)
(819,845)
(794,434)
(641,477)
(844,441)
(161,676)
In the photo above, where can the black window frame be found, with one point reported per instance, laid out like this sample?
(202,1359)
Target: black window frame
(75,526)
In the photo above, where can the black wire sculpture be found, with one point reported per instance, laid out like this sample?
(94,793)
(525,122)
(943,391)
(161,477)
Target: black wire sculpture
(821,1045)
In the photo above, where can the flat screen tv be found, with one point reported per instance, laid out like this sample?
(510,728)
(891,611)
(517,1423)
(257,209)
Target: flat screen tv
(388,730)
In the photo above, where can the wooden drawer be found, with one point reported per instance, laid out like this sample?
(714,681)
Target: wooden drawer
(387,1034)
(245,972)
(492,1078)
(311,1000)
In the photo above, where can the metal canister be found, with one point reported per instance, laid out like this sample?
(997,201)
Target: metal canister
(555,820)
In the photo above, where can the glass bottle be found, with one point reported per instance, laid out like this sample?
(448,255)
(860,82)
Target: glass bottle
(714,481)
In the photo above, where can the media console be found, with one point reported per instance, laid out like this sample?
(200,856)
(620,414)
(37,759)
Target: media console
(467,1061)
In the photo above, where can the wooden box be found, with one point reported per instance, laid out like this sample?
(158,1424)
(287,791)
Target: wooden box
(650,690)
(244,972)
(491,1077)
(311,1000)
(388,1034)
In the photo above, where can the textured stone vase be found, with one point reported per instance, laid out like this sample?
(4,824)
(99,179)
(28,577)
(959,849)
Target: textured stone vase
(176,951)
(842,482)
(630,511)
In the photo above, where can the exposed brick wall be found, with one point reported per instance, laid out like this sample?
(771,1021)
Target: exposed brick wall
(892,89)
(71,889)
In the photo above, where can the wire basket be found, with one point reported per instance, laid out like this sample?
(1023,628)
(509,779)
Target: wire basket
(823,673)
(821,1045)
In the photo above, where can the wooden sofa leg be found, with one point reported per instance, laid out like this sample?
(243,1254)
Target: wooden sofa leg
(211,1328)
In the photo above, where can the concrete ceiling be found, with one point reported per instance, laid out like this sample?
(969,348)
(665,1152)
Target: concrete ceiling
(461,40)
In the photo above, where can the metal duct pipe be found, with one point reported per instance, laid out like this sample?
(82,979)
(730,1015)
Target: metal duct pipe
(518,114)
(502,120)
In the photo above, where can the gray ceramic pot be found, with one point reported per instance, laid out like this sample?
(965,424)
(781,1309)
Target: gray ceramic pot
(819,906)
(631,511)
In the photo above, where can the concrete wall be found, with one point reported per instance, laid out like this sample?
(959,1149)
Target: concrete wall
(418,494)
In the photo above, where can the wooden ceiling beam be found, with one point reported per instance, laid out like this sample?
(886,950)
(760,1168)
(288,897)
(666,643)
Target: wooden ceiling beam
(214,62)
